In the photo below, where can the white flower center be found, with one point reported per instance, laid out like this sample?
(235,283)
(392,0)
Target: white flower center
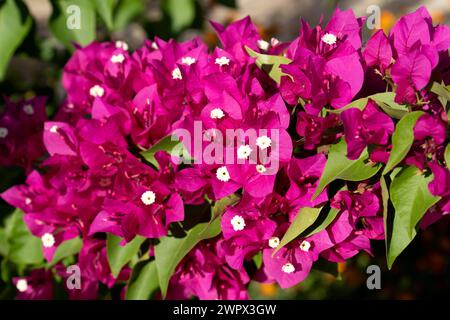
(263,45)
(244,151)
(48,240)
(22,285)
(176,74)
(188,60)
(274,42)
(3,132)
(260,168)
(238,223)
(222,61)
(148,197)
(329,38)
(288,268)
(222,174)
(217,113)
(28,109)
(121,45)
(154,46)
(97,91)
(117,58)
(305,245)
(263,142)
(274,242)
(54,129)
(28,201)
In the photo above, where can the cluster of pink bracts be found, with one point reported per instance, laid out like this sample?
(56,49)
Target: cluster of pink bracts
(94,181)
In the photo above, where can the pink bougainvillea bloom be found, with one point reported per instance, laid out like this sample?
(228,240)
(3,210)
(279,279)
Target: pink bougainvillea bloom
(411,72)
(21,126)
(38,285)
(304,175)
(378,51)
(429,135)
(370,126)
(292,263)
(314,129)
(205,274)
(92,274)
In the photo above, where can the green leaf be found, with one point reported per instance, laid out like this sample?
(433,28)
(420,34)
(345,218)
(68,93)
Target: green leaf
(105,10)
(119,256)
(329,218)
(258,259)
(447,155)
(181,12)
(386,101)
(15,23)
(66,249)
(359,104)
(385,199)
(4,245)
(7,270)
(143,282)
(338,166)
(170,251)
(73,21)
(442,92)
(411,199)
(268,60)
(402,139)
(126,11)
(24,248)
(304,218)
(170,144)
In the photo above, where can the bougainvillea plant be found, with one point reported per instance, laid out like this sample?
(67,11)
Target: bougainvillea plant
(177,171)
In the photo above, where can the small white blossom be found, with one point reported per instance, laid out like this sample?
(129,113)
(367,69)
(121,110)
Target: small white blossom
(22,285)
(97,91)
(260,168)
(148,198)
(54,129)
(117,58)
(28,109)
(188,60)
(288,268)
(48,240)
(263,142)
(238,223)
(305,245)
(274,242)
(176,74)
(222,61)
(263,45)
(329,38)
(274,42)
(217,113)
(3,132)
(121,45)
(222,174)
(244,151)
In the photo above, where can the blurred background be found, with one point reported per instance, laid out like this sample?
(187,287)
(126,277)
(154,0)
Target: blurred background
(34,49)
